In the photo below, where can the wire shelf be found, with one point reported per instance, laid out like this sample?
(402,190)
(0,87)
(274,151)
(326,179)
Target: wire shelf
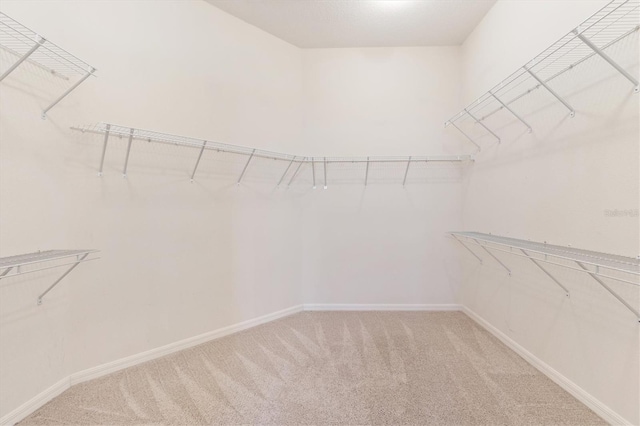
(39,257)
(294,161)
(12,266)
(596,264)
(30,47)
(616,21)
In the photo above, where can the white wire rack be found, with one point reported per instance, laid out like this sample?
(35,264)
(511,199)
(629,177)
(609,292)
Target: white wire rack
(15,265)
(595,264)
(294,162)
(616,21)
(30,47)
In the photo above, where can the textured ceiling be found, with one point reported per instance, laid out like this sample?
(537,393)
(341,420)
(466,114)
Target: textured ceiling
(362,23)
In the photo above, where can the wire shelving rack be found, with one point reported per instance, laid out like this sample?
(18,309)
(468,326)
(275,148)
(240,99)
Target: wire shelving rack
(595,264)
(30,47)
(289,172)
(616,21)
(12,266)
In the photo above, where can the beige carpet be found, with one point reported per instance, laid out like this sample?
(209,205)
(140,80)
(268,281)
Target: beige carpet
(437,368)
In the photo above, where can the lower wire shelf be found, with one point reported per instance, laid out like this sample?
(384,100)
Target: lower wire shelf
(595,264)
(18,263)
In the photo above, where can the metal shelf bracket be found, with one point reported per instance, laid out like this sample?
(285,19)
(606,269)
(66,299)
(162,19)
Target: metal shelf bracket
(296,172)
(104,148)
(406,172)
(482,124)
(69,90)
(572,112)
(204,145)
(286,171)
(126,159)
(610,290)
(366,173)
(470,251)
(464,134)
(325,172)
(24,57)
(607,58)
(495,258)
(546,272)
(505,106)
(246,166)
(313,171)
(78,261)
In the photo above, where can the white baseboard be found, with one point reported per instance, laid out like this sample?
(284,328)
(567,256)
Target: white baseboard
(39,400)
(379,307)
(104,369)
(34,403)
(111,367)
(580,394)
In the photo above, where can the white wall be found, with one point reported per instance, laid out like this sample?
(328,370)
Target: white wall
(181,259)
(177,259)
(384,243)
(554,185)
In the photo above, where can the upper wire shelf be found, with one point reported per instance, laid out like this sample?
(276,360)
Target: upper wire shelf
(15,265)
(595,264)
(294,162)
(30,47)
(611,24)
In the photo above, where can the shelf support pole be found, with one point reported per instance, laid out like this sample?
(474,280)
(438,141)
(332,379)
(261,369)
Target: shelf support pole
(126,159)
(285,172)
(24,57)
(204,144)
(505,106)
(78,261)
(406,172)
(296,172)
(494,256)
(325,172)
(482,124)
(609,60)
(69,90)
(466,135)
(620,299)
(572,112)
(546,272)
(245,167)
(470,251)
(6,271)
(366,173)
(313,170)
(104,148)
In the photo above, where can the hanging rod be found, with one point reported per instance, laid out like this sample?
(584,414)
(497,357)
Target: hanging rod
(30,47)
(14,265)
(589,262)
(611,24)
(132,134)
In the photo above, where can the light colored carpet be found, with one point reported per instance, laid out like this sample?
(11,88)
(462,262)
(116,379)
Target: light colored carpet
(436,368)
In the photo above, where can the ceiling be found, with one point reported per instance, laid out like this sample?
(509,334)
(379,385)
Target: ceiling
(362,23)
